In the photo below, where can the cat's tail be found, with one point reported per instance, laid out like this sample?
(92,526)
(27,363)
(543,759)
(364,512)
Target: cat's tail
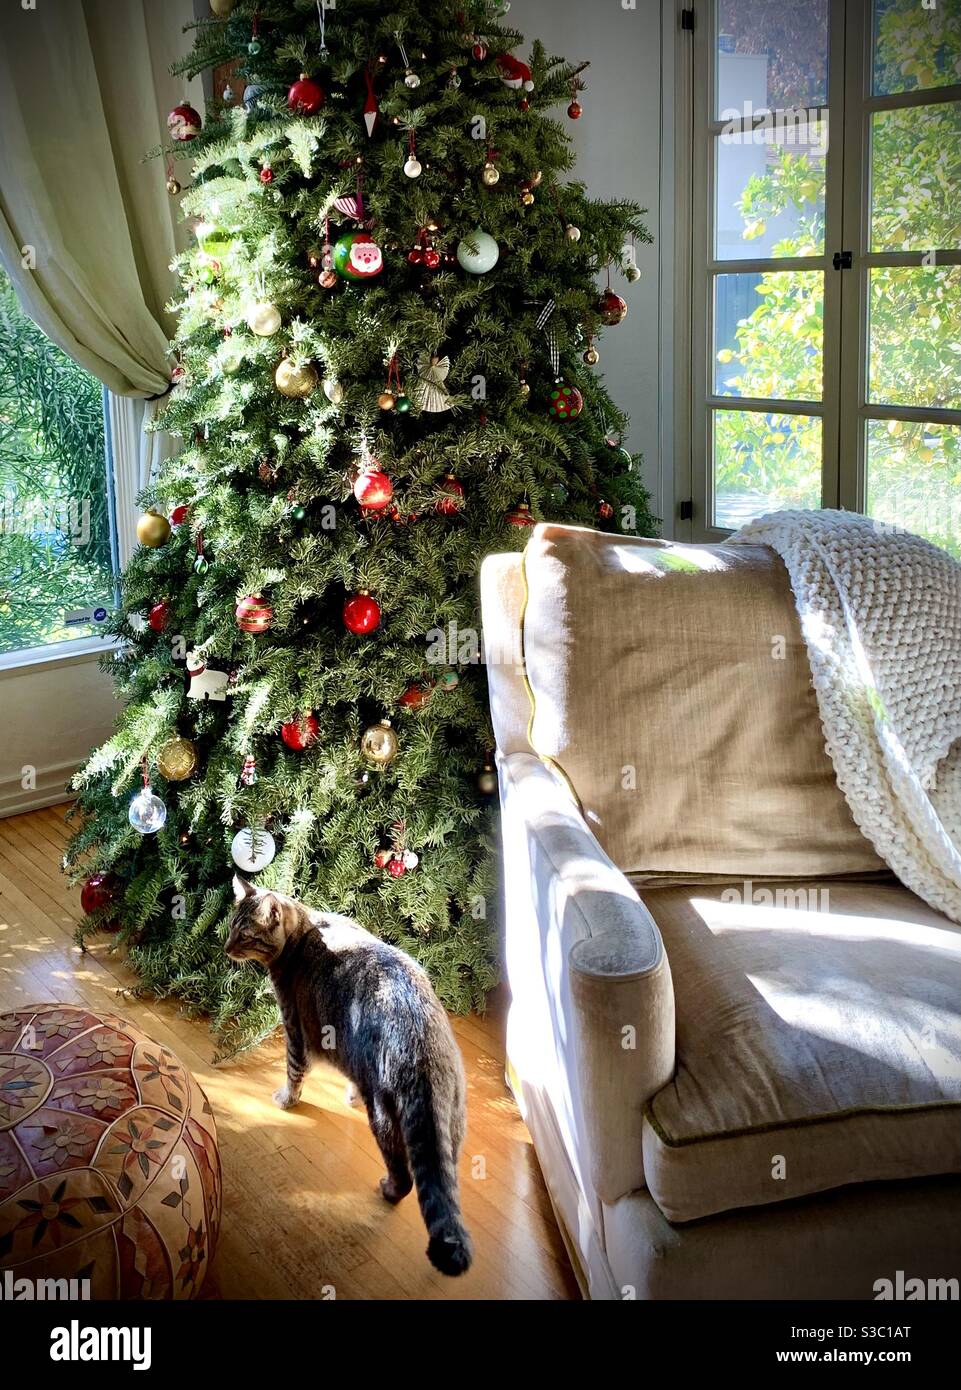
(432,1163)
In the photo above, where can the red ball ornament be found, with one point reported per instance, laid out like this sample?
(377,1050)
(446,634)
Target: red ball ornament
(300,733)
(524,104)
(397,868)
(416,256)
(431,258)
(566,402)
(305,96)
(604,510)
(575,110)
(179,515)
(266,174)
(159,615)
(383,857)
(520,515)
(416,695)
(373,490)
(361,613)
(99,891)
(184,123)
(254,614)
(612,308)
(479,51)
(452,504)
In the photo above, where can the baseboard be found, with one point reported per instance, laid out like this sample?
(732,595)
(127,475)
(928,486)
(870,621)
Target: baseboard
(51,790)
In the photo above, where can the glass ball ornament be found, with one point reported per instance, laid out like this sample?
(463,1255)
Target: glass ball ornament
(490,174)
(333,390)
(99,891)
(487,781)
(575,110)
(253,48)
(173,187)
(153,530)
(327,279)
(450,680)
(159,616)
(572,233)
(306,97)
(300,733)
(252,94)
(361,613)
(527,197)
(411,79)
(357,256)
(379,743)
(565,403)
(264,320)
(177,759)
(295,381)
(147,813)
(184,123)
(611,308)
(592,356)
(413,168)
(373,490)
(478,254)
(386,400)
(252,850)
(254,614)
(402,404)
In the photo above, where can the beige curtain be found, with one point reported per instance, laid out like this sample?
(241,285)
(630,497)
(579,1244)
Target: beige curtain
(87,230)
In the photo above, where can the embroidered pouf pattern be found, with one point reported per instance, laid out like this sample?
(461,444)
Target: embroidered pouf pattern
(109,1168)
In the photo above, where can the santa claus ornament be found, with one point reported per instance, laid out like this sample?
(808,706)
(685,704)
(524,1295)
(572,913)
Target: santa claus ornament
(184,123)
(514,74)
(358,257)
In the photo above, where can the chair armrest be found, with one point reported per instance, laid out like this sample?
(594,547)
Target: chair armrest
(618,979)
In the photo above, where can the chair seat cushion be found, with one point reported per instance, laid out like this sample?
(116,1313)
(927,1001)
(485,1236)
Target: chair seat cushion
(818,1043)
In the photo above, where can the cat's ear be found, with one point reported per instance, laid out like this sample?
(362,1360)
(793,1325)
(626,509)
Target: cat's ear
(243,889)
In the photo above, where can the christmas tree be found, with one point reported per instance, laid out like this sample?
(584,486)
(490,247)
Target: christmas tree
(384,371)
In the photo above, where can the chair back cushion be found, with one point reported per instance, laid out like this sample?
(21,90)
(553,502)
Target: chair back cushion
(671,686)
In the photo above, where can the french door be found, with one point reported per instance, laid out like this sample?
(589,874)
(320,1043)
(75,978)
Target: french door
(825,272)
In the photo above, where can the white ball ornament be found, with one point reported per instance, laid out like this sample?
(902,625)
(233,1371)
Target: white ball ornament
(480,254)
(264,320)
(411,79)
(333,390)
(252,850)
(147,813)
(413,168)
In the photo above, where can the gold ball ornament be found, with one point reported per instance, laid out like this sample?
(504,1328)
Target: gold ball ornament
(572,233)
(379,743)
(264,320)
(173,187)
(386,400)
(527,197)
(524,390)
(177,759)
(222,8)
(153,530)
(296,382)
(592,357)
(490,174)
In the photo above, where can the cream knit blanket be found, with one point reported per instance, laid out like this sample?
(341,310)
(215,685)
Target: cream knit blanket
(880,611)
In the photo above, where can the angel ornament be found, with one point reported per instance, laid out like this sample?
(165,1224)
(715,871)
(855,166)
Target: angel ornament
(429,391)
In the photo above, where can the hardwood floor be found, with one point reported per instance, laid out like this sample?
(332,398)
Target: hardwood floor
(302,1212)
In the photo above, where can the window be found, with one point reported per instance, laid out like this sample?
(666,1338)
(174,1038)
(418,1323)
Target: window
(825,275)
(56,551)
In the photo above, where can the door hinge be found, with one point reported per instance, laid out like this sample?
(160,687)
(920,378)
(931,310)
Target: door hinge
(686,509)
(688,19)
(843,260)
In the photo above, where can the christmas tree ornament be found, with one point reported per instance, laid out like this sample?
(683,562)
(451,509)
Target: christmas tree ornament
(487,780)
(450,680)
(454,80)
(565,402)
(98,892)
(230,358)
(184,123)
(357,256)
(490,174)
(153,530)
(227,96)
(413,168)
(575,110)
(520,515)
(527,197)
(402,405)
(591,354)
(222,8)
(371,110)
(177,759)
(333,390)
(523,385)
(379,744)
(478,253)
(416,695)
(298,511)
(305,97)
(159,615)
(631,269)
(254,614)
(137,623)
(300,733)
(523,104)
(611,308)
(396,868)
(572,233)
(429,392)
(296,380)
(264,319)
(146,813)
(361,613)
(373,489)
(205,683)
(411,78)
(386,400)
(266,471)
(383,857)
(266,174)
(410,859)
(392,397)
(252,94)
(633,273)
(252,849)
(179,515)
(513,73)
(327,278)
(479,50)
(248,771)
(453,501)
(173,187)
(604,510)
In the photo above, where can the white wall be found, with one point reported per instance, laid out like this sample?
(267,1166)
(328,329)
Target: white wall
(618,141)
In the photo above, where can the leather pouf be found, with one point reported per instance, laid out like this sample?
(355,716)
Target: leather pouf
(109,1169)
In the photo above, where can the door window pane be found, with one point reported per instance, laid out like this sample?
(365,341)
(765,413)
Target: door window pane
(769,191)
(764,463)
(769,335)
(916,46)
(915,336)
(916,178)
(770,54)
(56,578)
(914,479)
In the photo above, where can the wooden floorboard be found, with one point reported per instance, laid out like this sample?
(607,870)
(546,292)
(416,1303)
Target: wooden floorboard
(302,1212)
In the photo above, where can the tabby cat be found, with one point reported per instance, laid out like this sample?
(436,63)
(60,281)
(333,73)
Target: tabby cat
(362,1004)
